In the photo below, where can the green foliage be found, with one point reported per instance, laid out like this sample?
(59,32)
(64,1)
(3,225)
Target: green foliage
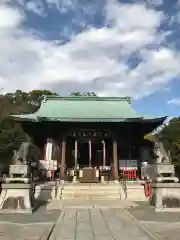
(149,137)
(170,136)
(84,94)
(11,133)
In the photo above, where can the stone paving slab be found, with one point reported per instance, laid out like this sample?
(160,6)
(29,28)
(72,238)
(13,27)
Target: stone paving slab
(41,215)
(97,224)
(11,231)
(145,212)
(164,230)
(36,226)
(165,225)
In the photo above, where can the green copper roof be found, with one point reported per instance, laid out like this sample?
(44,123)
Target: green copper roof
(67,109)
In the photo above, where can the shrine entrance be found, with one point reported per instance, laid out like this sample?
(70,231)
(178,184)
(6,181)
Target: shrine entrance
(90,153)
(83,153)
(89,148)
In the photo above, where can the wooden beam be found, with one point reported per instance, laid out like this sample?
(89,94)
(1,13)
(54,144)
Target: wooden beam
(63,159)
(75,153)
(115,159)
(90,153)
(104,153)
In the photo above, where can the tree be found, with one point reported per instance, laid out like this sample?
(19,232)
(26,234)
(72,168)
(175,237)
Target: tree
(11,133)
(149,137)
(84,94)
(170,137)
(19,102)
(11,136)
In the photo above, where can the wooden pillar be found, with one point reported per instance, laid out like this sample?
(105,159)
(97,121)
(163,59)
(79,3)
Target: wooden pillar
(104,153)
(75,153)
(115,160)
(63,159)
(90,153)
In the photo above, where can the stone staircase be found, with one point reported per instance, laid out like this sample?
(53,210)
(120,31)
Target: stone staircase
(45,191)
(106,191)
(134,191)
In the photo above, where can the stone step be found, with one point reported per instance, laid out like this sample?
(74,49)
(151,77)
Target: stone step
(89,197)
(91,191)
(134,188)
(105,188)
(71,197)
(96,197)
(135,191)
(91,186)
(136,195)
(85,191)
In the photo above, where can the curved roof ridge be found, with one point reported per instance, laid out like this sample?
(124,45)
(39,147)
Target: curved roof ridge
(87,98)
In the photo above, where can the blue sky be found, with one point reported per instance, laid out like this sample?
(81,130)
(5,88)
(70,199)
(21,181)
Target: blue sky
(111,47)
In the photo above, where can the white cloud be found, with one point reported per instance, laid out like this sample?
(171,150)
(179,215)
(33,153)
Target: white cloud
(132,16)
(10,18)
(174,101)
(96,58)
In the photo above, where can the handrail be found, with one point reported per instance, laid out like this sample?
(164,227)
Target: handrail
(124,186)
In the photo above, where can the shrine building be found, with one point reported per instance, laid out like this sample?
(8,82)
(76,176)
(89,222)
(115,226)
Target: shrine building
(96,136)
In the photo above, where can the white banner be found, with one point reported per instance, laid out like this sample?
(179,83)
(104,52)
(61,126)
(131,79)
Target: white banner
(48,165)
(48,155)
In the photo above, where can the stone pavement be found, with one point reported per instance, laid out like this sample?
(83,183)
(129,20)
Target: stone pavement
(164,230)
(33,231)
(41,215)
(37,226)
(91,221)
(164,225)
(97,224)
(102,204)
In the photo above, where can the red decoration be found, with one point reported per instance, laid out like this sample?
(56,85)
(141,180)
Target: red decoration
(147,189)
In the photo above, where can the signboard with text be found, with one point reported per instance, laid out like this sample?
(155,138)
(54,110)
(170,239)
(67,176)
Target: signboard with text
(128,164)
(88,133)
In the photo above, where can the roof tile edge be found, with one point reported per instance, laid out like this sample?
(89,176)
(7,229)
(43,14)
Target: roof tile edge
(88,98)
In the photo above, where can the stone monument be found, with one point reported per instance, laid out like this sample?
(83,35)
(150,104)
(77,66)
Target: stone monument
(165,187)
(18,190)
(164,170)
